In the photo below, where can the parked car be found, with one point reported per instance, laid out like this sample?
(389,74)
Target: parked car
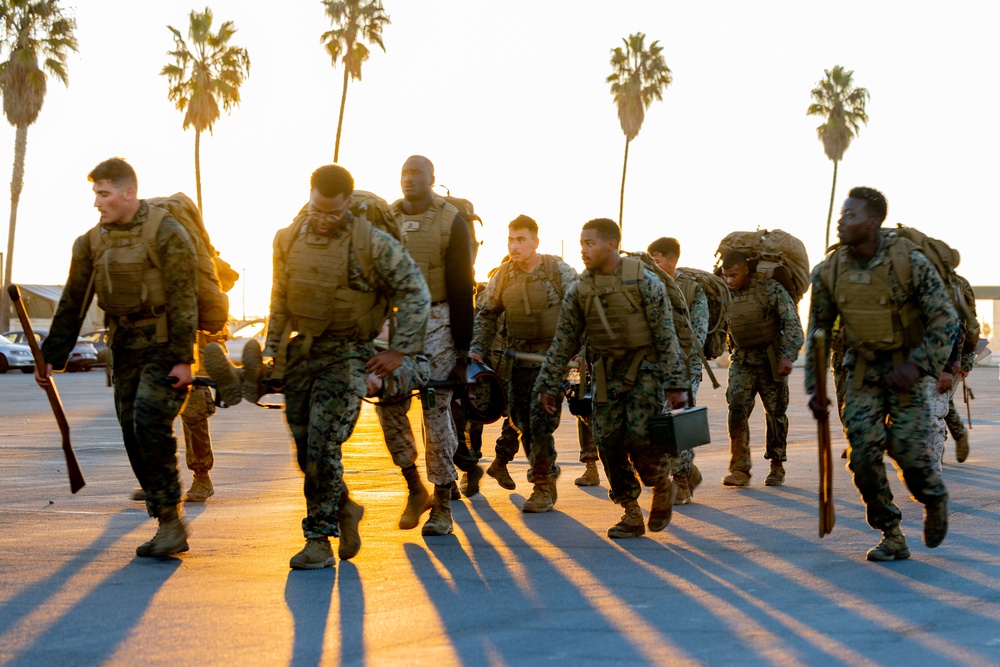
(83,356)
(99,339)
(256,329)
(14,355)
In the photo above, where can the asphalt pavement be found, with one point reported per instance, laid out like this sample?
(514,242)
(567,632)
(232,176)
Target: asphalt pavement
(739,577)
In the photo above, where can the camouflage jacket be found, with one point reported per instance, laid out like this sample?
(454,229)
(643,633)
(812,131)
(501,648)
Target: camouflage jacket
(395,275)
(791,340)
(179,265)
(698,311)
(572,327)
(928,292)
(489,304)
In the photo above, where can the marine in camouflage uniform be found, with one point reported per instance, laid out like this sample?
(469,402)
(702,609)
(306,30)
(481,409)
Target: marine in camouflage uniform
(438,239)
(626,397)
(961,372)
(765,336)
(326,369)
(198,453)
(528,289)
(666,252)
(148,344)
(885,406)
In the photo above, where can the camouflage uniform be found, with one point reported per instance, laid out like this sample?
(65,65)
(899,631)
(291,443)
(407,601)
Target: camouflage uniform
(588,448)
(698,312)
(194,417)
(954,422)
(325,377)
(751,373)
(878,419)
(621,425)
(938,406)
(145,404)
(534,424)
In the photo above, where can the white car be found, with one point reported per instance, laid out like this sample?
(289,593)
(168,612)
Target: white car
(257,330)
(15,355)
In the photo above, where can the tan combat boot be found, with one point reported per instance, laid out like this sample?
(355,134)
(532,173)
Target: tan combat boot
(540,500)
(439,522)
(962,448)
(553,486)
(776,476)
(349,515)
(498,471)
(935,523)
(470,481)
(170,538)
(662,509)
(892,547)
(590,477)
(227,378)
(417,502)
(631,524)
(315,555)
(201,488)
(737,478)
(253,371)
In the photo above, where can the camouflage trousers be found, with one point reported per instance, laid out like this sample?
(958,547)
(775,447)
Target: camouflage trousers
(879,421)
(507,442)
(146,407)
(440,438)
(470,439)
(954,421)
(534,426)
(588,448)
(839,383)
(938,404)
(621,431)
(686,458)
(745,382)
(323,391)
(197,438)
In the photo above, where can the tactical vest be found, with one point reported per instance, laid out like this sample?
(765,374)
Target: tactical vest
(878,314)
(319,298)
(426,237)
(525,297)
(612,306)
(126,274)
(753,323)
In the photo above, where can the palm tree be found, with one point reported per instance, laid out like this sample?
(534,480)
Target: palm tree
(639,77)
(207,73)
(37,37)
(836,99)
(353,21)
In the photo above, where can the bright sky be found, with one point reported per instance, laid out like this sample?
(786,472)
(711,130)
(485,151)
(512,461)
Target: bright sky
(509,102)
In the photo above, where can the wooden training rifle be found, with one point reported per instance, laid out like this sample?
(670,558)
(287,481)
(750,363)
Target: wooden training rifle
(826,514)
(72,466)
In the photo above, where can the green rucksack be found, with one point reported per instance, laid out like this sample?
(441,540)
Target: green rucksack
(772,254)
(719,306)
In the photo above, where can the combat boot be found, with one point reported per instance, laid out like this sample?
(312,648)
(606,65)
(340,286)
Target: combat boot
(498,471)
(540,500)
(253,370)
(935,523)
(470,481)
(962,448)
(138,494)
(439,522)
(737,478)
(349,515)
(776,476)
(891,547)
(590,477)
(686,486)
(201,488)
(170,538)
(227,379)
(662,508)
(553,487)
(315,555)
(417,502)
(631,524)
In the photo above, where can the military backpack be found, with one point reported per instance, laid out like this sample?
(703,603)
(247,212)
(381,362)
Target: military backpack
(771,254)
(719,306)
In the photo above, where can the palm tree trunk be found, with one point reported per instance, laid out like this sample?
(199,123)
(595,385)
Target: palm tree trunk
(621,198)
(340,120)
(197,166)
(829,214)
(16,186)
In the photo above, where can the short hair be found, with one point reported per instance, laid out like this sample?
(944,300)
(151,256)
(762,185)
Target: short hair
(115,170)
(668,247)
(607,230)
(524,222)
(734,258)
(332,180)
(430,165)
(873,199)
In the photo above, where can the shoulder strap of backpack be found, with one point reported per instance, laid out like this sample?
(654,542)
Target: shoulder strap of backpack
(553,274)
(361,242)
